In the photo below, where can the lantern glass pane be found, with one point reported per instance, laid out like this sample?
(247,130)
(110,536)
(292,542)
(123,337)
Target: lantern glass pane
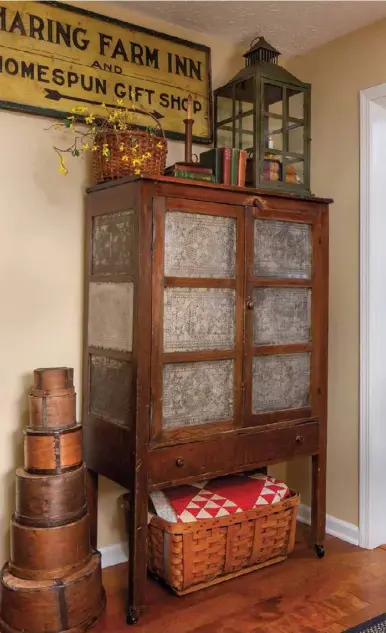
(273,99)
(245,132)
(245,96)
(273,133)
(272,168)
(294,171)
(225,136)
(296,138)
(224,108)
(295,103)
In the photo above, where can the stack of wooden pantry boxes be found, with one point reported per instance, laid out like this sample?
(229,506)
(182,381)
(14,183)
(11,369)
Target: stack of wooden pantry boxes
(53,579)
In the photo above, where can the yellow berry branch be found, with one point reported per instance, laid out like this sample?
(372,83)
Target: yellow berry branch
(104,133)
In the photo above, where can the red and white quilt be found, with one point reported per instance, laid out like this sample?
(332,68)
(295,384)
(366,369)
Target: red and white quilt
(217,497)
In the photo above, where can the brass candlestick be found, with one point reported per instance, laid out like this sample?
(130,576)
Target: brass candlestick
(188,140)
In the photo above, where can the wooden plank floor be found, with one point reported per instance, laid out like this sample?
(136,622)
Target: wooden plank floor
(301,595)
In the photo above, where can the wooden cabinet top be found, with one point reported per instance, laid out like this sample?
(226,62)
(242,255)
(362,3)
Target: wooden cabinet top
(245,194)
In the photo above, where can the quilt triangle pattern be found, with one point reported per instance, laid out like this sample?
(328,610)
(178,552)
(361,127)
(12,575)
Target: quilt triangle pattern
(218,497)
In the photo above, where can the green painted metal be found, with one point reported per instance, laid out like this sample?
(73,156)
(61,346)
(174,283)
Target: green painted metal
(261,75)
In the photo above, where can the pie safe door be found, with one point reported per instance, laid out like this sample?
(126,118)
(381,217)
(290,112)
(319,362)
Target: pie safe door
(198,274)
(235,318)
(281,364)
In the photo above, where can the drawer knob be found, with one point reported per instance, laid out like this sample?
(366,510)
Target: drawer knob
(179,462)
(299,439)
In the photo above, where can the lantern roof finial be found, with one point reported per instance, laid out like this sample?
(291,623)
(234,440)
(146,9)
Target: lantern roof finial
(261,51)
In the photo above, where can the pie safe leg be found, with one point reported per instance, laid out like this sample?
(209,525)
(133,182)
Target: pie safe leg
(92,505)
(137,568)
(318,508)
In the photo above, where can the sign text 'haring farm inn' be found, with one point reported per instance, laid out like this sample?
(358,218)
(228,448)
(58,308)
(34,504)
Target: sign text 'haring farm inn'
(54,57)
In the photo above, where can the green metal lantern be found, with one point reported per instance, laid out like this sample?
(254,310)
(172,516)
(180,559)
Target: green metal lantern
(266,111)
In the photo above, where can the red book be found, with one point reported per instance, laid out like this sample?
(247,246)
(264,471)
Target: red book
(227,160)
(242,167)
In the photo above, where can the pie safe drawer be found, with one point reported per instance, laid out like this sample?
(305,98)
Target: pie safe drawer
(231,453)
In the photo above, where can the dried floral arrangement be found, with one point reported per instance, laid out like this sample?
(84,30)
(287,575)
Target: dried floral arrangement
(118,144)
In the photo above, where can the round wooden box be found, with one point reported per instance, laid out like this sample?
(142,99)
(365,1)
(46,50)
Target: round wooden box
(52,451)
(39,553)
(64,605)
(50,500)
(52,411)
(53,379)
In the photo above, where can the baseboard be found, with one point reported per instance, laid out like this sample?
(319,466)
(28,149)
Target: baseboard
(336,527)
(114,554)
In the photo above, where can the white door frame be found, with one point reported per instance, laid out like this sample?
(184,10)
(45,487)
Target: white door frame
(372,423)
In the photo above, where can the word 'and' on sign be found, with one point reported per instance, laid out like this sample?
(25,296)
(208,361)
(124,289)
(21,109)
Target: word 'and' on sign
(55,57)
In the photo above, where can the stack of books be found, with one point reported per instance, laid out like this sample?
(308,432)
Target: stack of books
(192,171)
(272,170)
(228,165)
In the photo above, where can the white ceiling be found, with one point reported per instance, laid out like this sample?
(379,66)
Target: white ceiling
(292,27)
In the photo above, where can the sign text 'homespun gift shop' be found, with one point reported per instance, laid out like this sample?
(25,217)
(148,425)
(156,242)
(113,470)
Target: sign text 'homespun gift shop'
(54,57)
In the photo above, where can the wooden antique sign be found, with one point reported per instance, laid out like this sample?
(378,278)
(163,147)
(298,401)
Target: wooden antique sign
(54,57)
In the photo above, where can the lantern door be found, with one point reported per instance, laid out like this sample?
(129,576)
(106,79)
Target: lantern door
(284,136)
(235,116)
(281,356)
(197,315)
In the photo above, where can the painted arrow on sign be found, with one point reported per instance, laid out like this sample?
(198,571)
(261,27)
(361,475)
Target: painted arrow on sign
(55,95)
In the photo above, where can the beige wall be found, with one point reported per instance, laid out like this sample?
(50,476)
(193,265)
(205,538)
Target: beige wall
(41,261)
(337,72)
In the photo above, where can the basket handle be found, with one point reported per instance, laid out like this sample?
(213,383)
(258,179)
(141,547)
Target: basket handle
(148,114)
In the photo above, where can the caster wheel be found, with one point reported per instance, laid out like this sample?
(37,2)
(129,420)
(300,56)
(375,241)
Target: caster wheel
(132,617)
(319,549)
